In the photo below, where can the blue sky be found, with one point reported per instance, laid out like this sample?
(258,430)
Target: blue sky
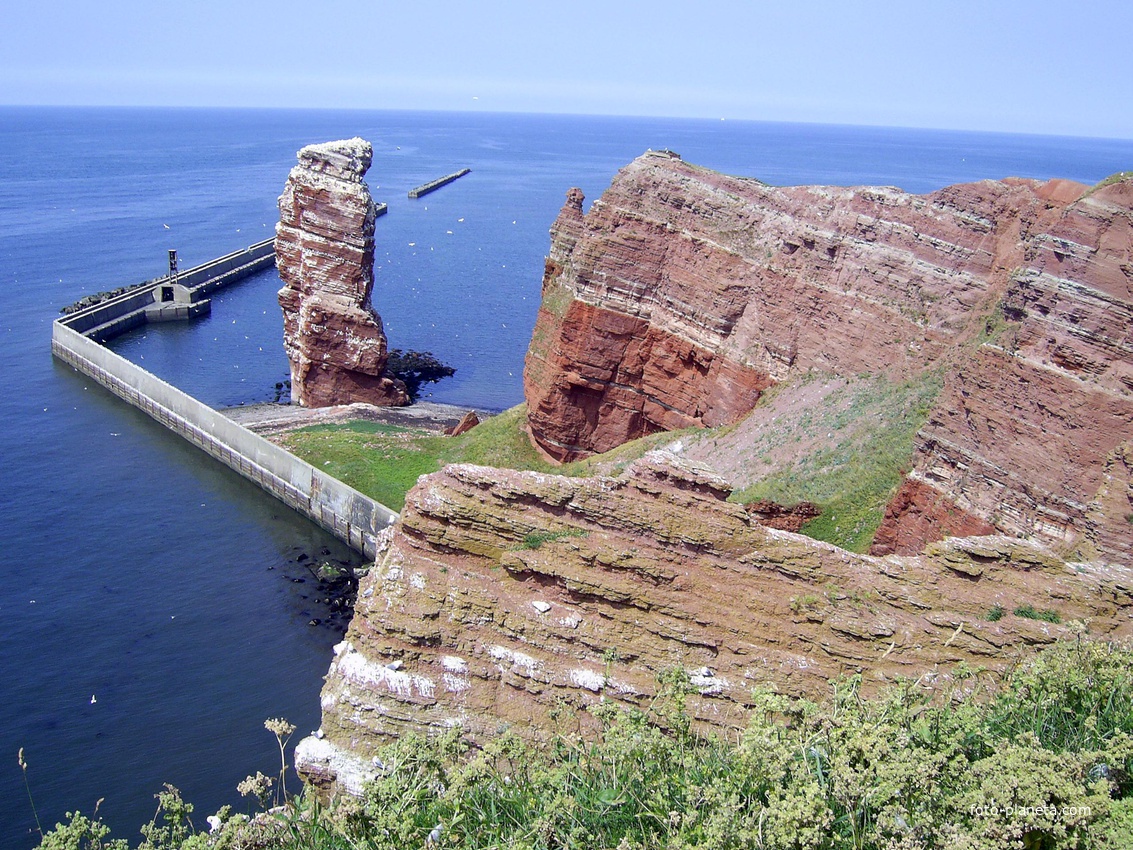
(1039,66)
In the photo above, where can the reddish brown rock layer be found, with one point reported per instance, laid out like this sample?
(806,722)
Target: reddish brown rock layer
(505,596)
(683,294)
(919,513)
(1029,432)
(324,248)
(716,287)
(467,422)
(774,515)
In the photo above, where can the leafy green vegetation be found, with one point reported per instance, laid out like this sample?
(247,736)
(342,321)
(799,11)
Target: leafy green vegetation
(996,613)
(536,539)
(807,601)
(1043,762)
(864,442)
(1046,615)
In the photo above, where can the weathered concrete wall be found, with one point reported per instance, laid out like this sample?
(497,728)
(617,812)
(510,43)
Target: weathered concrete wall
(351,516)
(115,316)
(224,270)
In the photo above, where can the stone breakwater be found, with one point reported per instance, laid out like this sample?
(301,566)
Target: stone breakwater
(325,255)
(503,596)
(683,294)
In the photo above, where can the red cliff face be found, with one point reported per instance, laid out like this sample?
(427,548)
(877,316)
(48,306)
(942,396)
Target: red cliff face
(683,294)
(324,248)
(1034,429)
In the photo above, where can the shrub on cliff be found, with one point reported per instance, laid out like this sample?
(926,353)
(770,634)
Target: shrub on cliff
(1044,763)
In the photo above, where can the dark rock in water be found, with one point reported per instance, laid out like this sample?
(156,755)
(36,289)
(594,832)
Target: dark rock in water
(415,368)
(329,573)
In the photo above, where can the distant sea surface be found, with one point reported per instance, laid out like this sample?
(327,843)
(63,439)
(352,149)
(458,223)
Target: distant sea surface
(150,617)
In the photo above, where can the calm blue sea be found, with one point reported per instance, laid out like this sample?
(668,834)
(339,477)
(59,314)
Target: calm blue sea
(148,620)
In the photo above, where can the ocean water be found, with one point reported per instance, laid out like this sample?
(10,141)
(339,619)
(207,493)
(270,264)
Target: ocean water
(150,620)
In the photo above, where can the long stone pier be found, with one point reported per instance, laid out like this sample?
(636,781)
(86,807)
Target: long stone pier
(433,185)
(353,517)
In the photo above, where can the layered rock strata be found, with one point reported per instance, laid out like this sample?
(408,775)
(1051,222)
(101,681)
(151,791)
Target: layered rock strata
(683,294)
(508,599)
(324,248)
(1032,431)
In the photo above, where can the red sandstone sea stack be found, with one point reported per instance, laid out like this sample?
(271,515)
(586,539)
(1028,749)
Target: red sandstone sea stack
(324,248)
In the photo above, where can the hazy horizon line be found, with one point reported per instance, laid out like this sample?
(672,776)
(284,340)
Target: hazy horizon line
(551,114)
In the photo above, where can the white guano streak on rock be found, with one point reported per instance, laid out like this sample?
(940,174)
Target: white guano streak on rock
(455,684)
(320,755)
(354,667)
(454,664)
(527,666)
(589,679)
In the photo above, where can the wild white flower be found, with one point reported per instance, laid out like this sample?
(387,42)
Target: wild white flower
(258,786)
(279,726)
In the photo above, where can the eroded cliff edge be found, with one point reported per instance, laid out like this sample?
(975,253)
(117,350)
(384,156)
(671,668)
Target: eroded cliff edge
(515,599)
(324,246)
(683,294)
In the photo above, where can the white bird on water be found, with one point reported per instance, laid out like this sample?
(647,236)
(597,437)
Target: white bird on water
(92,699)
(166,226)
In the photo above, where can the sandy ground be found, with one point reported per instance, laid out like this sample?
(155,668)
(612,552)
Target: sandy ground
(268,419)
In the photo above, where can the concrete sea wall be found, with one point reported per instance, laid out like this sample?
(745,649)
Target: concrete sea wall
(353,517)
(127,311)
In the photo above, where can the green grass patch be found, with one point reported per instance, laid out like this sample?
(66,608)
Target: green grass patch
(536,539)
(385,461)
(1047,615)
(864,435)
(1117,177)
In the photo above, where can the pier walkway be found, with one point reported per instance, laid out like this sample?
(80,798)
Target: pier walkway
(353,517)
(165,299)
(433,185)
